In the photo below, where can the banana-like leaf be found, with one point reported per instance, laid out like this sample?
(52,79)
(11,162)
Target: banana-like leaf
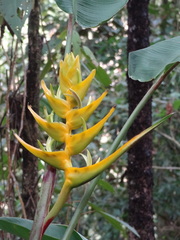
(21,228)
(92,12)
(147,63)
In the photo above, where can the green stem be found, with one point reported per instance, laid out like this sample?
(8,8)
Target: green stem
(62,198)
(69,34)
(114,146)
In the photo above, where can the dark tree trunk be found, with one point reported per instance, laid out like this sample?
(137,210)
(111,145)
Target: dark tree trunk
(30,173)
(140,176)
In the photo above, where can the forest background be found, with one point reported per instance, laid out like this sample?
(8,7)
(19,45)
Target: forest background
(104,47)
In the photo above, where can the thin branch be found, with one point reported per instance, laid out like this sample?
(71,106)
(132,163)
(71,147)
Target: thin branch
(173,140)
(5,53)
(166,168)
(10,190)
(19,195)
(23,106)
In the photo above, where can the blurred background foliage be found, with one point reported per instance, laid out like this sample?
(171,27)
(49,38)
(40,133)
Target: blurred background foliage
(104,48)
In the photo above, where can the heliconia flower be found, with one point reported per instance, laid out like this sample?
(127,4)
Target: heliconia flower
(69,107)
(56,130)
(58,159)
(78,142)
(74,116)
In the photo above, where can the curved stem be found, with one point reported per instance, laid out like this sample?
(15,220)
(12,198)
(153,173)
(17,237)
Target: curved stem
(62,198)
(113,147)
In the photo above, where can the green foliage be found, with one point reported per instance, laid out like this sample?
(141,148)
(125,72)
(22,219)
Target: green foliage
(15,13)
(106,185)
(117,223)
(147,63)
(91,13)
(21,228)
(108,44)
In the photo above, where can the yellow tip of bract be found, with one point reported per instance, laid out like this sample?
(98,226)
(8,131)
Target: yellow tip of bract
(56,130)
(59,159)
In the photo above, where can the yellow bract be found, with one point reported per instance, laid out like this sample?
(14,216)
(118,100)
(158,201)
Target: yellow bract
(59,159)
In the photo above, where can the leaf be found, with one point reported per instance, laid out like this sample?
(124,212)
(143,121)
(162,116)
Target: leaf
(76,41)
(46,68)
(148,63)
(15,13)
(176,104)
(101,74)
(106,185)
(54,43)
(117,223)
(93,12)
(21,227)
(89,54)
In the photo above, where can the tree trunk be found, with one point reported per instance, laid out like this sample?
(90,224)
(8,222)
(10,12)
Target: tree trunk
(30,131)
(140,176)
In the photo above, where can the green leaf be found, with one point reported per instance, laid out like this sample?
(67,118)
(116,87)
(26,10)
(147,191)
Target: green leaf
(101,74)
(54,43)
(21,227)
(89,54)
(76,40)
(117,223)
(176,104)
(105,185)
(15,13)
(93,12)
(46,68)
(148,63)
